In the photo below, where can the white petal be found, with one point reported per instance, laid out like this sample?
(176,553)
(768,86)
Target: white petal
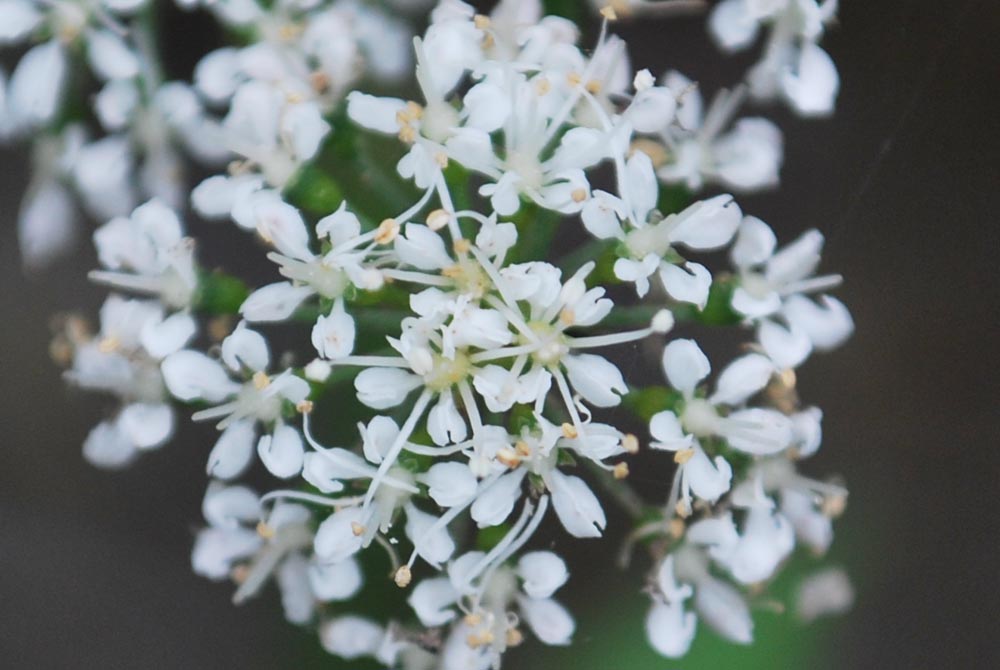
(108,446)
(233,451)
(217,549)
(432,600)
(304,128)
(652,109)
(162,338)
(450,483)
(335,581)
(741,379)
(282,452)
(20,18)
(670,629)
(47,222)
(542,572)
(827,592)
(666,429)
(110,56)
(601,215)
(826,322)
(339,227)
(576,505)
(333,335)
(494,505)
(245,348)
(732,26)
(217,75)
(191,375)
(382,388)
(548,620)
(787,347)
(812,87)
(335,539)
(755,242)
(708,224)
(433,544)
(274,302)
(761,431)
(351,637)
(595,378)
(230,506)
(36,84)
(375,113)
(280,224)
(685,365)
(807,427)
(147,425)
(422,248)
(723,608)
(690,283)
(296,594)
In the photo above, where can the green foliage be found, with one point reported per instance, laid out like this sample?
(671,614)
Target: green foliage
(719,308)
(646,402)
(219,293)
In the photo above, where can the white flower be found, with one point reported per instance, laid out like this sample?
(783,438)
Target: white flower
(148,253)
(792,66)
(753,430)
(746,158)
(191,375)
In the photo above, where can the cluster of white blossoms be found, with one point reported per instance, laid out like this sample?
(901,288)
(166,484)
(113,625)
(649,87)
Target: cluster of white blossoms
(460,343)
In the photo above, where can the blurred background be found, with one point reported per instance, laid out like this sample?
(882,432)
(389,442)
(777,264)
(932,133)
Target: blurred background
(904,181)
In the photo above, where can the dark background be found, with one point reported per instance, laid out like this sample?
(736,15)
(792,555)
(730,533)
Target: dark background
(94,566)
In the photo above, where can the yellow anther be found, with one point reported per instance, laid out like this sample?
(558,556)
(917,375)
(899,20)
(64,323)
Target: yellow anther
(265,531)
(620,471)
(473,620)
(319,81)
(594,86)
(403,576)
(357,529)
(608,12)
(441,158)
(683,509)
(261,381)
(387,231)
(573,78)
(461,246)
(834,506)
(657,152)
(522,449)
(514,637)
(569,431)
(480,21)
(305,407)
(682,456)
(567,316)
(239,574)
(453,272)
(407,134)
(438,219)
(579,194)
(508,457)
(630,443)
(109,344)
(542,86)
(676,528)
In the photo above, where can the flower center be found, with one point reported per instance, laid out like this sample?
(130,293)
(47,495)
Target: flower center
(699,417)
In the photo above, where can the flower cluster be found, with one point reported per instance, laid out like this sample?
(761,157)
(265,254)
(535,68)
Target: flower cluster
(464,310)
